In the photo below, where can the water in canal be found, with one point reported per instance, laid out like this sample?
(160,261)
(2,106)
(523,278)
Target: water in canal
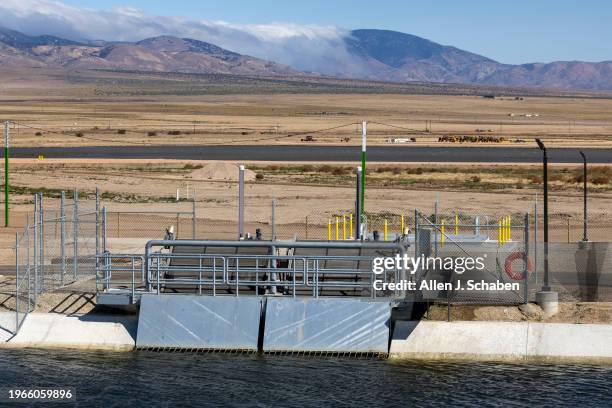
(148,379)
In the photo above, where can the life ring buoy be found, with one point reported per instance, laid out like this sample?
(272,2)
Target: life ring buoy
(516,275)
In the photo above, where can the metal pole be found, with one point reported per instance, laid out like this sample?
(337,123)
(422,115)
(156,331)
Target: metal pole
(41,242)
(35,248)
(364,132)
(63,235)
(416,233)
(546,285)
(241,202)
(97,225)
(358,205)
(526,261)
(104,229)
(584,177)
(193,216)
(16,282)
(436,227)
(273,219)
(6,173)
(75,232)
(535,239)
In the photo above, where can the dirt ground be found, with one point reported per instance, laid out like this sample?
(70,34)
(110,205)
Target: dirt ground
(87,108)
(569,312)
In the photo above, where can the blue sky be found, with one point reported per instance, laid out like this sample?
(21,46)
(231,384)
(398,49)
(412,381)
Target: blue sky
(508,31)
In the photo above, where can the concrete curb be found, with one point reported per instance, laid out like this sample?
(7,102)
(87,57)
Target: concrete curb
(502,341)
(92,331)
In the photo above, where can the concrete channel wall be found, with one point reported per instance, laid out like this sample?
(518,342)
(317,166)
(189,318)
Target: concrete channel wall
(51,330)
(502,341)
(414,340)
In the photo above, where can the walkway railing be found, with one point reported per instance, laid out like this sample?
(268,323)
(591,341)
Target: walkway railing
(237,274)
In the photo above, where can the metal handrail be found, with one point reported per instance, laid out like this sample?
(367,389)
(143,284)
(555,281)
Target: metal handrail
(235,271)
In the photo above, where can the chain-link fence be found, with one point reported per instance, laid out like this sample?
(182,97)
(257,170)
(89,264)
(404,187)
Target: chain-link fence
(58,245)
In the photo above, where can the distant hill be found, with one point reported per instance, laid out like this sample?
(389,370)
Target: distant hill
(394,56)
(161,54)
(380,55)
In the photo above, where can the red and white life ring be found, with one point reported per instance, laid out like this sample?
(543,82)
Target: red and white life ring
(516,275)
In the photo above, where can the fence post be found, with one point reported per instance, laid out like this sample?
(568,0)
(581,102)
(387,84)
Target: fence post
(35,248)
(416,233)
(104,229)
(535,239)
(526,260)
(193,217)
(41,243)
(241,201)
(273,219)
(16,282)
(97,224)
(28,266)
(435,227)
(75,232)
(358,212)
(63,235)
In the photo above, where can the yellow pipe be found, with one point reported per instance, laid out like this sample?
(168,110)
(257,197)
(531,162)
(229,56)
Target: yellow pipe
(456,222)
(329,230)
(385,230)
(401,225)
(337,228)
(442,236)
(343,227)
(350,225)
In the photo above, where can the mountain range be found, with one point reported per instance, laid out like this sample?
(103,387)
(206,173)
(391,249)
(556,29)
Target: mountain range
(380,55)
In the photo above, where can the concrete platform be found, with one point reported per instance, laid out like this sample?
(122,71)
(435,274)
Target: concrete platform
(92,331)
(502,341)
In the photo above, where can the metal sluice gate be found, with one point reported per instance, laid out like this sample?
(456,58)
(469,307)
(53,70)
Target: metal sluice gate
(268,296)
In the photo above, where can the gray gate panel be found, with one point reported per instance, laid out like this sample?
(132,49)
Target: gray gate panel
(327,325)
(198,322)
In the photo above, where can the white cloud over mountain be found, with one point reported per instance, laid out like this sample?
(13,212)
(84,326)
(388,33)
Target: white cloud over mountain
(306,47)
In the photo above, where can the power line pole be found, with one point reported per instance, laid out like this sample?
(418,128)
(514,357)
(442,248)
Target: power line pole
(6,173)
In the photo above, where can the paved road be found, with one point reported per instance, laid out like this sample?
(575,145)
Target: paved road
(478,154)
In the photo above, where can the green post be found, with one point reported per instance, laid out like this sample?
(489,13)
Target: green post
(6,174)
(363,165)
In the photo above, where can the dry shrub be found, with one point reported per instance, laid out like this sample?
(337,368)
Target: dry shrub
(536,180)
(306,168)
(339,171)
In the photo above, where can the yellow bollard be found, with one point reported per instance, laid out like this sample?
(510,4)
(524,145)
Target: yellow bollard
(442,236)
(343,227)
(351,225)
(337,227)
(500,235)
(456,222)
(509,228)
(385,230)
(329,230)
(506,230)
(401,225)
